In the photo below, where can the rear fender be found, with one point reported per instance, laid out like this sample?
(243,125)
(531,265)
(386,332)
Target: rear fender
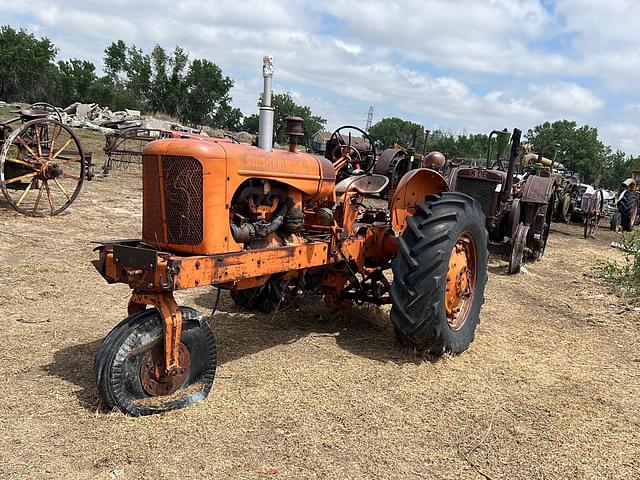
(412,189)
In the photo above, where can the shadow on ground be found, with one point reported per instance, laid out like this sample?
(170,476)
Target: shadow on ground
(362,331)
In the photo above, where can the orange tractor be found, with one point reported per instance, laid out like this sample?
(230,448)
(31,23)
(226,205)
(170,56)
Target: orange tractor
(263,224)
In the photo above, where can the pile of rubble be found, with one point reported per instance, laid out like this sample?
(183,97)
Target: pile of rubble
(95,117)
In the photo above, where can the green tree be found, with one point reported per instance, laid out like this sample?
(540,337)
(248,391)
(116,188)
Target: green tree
(115,59)
(75,81)
(618,167)
(284,105)
(579,148)
(390,131)
(27,71)
(208,99)
(195,92)
(251,123)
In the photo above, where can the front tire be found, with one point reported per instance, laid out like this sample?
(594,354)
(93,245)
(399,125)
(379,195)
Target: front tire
(440,273)
(130,351)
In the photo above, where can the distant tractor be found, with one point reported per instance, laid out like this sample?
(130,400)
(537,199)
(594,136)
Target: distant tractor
(517,210)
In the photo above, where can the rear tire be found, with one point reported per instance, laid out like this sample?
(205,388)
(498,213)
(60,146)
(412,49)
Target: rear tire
(420,311)
(628,208)
(264,299)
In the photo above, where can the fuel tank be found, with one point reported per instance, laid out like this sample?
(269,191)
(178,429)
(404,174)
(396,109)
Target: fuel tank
(188,186)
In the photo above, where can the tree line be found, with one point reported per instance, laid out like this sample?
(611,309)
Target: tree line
(578,148)
(196,92)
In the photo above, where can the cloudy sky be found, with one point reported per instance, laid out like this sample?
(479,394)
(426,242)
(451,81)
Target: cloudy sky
(458,65)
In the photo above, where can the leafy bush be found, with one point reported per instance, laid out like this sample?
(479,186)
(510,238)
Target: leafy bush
(624,276)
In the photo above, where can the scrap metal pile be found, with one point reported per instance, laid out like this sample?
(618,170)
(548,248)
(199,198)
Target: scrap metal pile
(95,117)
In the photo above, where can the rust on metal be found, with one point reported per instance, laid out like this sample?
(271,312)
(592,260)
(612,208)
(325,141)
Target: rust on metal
(155,378)
(413,188)
(38,156)
(461,281)
(171,316)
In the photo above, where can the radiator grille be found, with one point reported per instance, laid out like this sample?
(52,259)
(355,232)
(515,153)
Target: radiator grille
(183,199)
(482,190)
(151,211)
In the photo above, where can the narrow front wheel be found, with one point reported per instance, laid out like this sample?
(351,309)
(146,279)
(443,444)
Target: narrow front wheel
(130,364)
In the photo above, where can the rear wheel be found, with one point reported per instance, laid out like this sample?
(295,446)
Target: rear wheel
(440,273)
(130,357)
(264,299)
(614,222)
(628,208)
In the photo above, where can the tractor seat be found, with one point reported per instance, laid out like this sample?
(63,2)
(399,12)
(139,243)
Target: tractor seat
(33,113)
(363,184)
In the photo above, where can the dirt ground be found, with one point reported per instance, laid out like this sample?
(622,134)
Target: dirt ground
(550,389)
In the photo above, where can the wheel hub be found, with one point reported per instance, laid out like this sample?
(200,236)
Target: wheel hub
(460,281)
(155,380)
(51,170)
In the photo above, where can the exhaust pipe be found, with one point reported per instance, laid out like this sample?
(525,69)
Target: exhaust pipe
(265,123)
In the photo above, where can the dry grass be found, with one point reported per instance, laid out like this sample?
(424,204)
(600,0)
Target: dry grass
(549,389)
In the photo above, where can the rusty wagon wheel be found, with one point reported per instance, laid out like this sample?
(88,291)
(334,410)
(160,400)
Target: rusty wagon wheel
(42,168)
(129,364)
(440,273)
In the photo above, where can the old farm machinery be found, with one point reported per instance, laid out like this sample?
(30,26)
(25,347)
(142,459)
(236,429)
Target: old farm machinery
(123,149)
(42,163)
(518,210)
(264,223)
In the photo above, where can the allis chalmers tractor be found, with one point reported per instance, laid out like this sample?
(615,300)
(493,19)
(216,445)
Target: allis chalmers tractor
(518,214)
(262,223)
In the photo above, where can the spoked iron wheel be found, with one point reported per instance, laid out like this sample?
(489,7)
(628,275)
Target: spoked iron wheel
(129,364)
(591,224)
(516,257)
(53,112)
(42,168)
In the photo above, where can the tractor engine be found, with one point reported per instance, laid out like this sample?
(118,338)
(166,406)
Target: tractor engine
(203,197)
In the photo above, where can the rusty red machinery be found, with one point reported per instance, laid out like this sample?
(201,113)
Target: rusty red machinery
(518,210)
(42,162)
(263,224)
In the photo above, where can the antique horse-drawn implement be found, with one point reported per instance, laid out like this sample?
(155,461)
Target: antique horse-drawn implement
(42,163)
(123,149)
(264,223)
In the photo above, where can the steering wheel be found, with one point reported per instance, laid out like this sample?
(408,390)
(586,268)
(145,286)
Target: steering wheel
(341,155)
(345,155)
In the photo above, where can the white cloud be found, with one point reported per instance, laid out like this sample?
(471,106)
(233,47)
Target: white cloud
(565,99)
(623,136)
(468,64)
